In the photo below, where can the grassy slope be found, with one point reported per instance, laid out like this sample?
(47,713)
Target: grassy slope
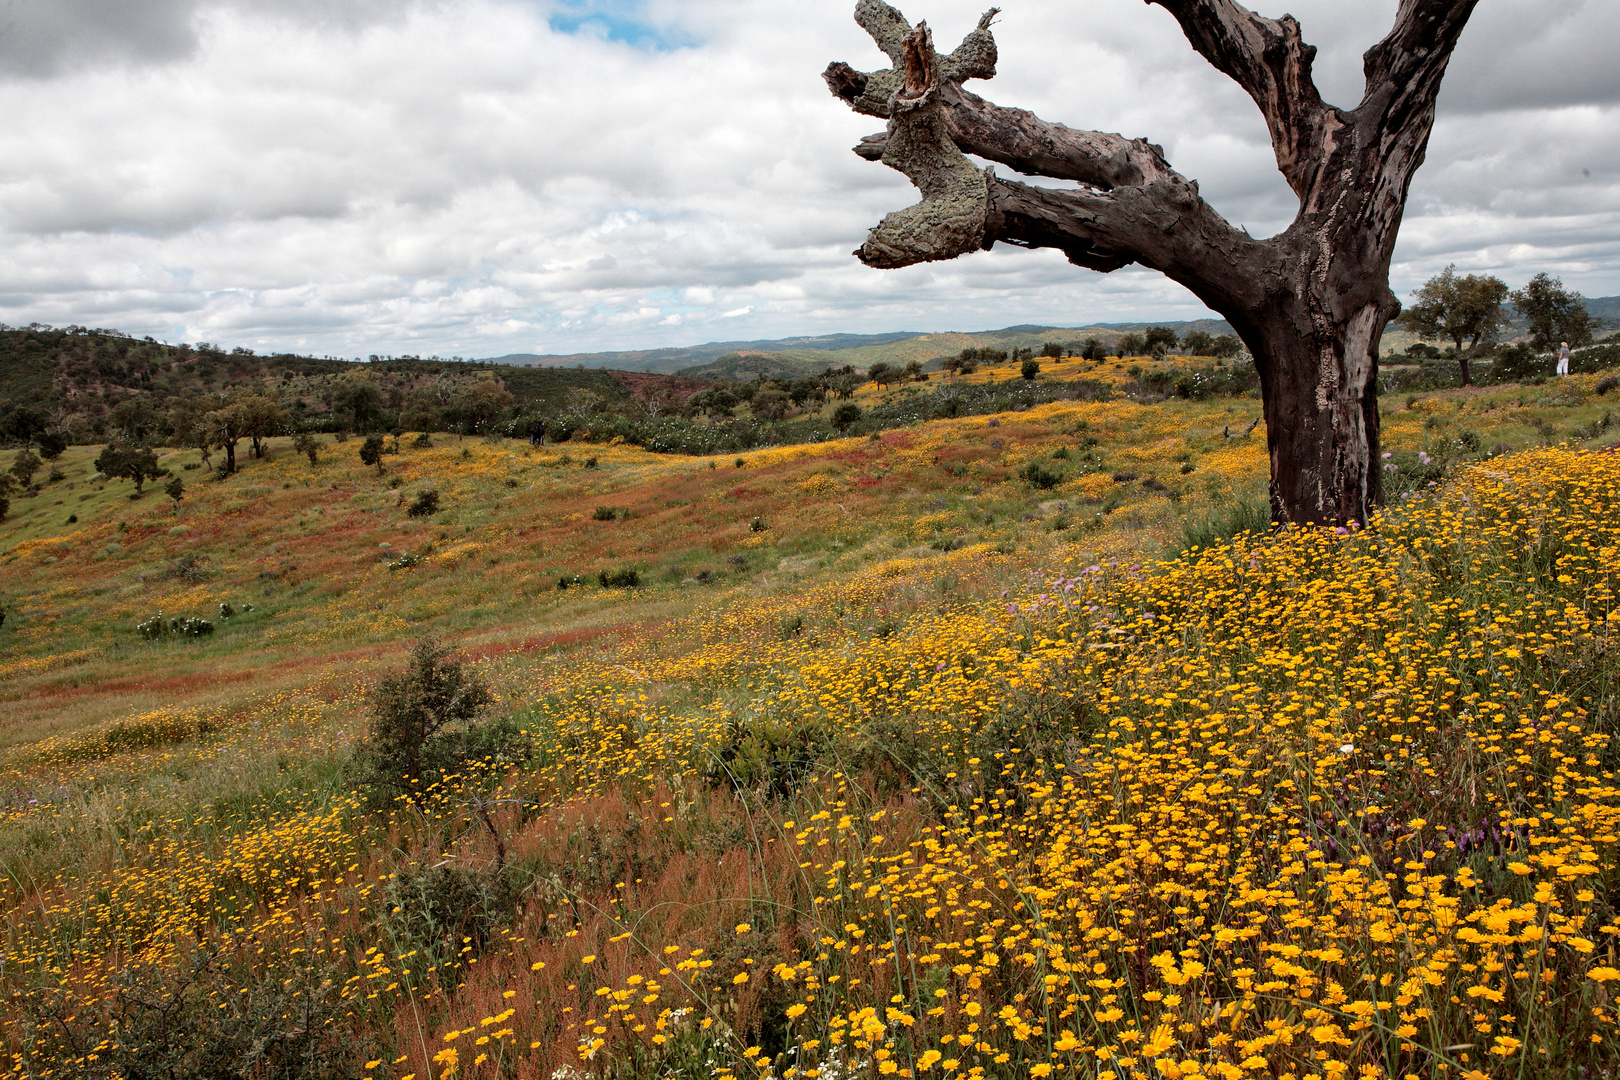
(114,741)
(304,544)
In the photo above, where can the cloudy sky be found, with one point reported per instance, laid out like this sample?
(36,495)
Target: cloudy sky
(478,177)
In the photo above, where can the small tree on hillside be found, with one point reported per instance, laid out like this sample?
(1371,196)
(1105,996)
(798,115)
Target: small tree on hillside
(24,466)
(176,490)
(479,406)
(358,397)
(371,451)
(421,721)
(261,418)
(1132,344)
(225,427)
(1198,343)
(845,415)
(1466,310)
(136,420)
(305,444)
(1030,369)
(1554,313)
(1158,340)
(120,462)
(770,403)
(52,444)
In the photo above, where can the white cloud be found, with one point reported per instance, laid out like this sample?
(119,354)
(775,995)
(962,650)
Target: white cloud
(479,176)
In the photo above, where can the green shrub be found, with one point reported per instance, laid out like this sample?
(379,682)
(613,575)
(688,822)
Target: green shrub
(424,726)
(622,578)
(425,503)
(204,1021)
(1039,476)
(371,452)
(156,626)
(1251,515)
(605,513)
(447,912)
(304,443)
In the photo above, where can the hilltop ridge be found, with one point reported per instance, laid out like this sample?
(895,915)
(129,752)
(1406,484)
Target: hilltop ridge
(796,356)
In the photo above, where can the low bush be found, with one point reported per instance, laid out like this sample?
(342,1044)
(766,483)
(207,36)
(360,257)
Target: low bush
(424,725)
(204,1021)
(1201,382)
(1039,476)
(1250,515)
(622,578)
(445,913)
(425,503)
(156,626)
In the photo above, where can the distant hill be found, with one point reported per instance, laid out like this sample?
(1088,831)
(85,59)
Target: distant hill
(75,377)
(797,357)
(1606,308)
(674,359)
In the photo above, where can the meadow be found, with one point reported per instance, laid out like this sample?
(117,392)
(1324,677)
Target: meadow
(896,759)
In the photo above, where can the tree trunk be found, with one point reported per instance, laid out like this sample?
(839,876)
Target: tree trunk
(1311,304)
(230,456)
(1462,366)
(1320,402)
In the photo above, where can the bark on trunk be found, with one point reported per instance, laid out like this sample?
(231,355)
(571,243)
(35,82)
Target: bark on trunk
(1319,393)
(1310,303)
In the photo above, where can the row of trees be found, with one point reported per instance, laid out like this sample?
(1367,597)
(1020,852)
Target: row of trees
(209,422)
(1472,310)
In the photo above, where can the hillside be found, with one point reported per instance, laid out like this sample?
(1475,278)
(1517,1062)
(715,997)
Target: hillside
(893,755)
(79,376)
(802,356)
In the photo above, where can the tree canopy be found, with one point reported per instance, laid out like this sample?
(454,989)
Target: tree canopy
(1555,314)
(1465,310)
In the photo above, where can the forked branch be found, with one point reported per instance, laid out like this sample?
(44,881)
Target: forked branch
(933,121)
(1270,60)
(949,221)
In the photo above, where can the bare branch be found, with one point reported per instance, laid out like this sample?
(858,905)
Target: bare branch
(1021,140)
(1270,60)
(949,221)
(1404,70)
(1013,137)
(1165,226)
(869,92)
(932,121)
(887,26)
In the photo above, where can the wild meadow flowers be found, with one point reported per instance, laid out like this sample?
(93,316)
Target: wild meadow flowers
(1316,804)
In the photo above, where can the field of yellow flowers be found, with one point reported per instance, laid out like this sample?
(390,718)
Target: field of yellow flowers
(936,774)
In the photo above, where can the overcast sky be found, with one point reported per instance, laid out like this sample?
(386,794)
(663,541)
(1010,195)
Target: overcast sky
(479,177)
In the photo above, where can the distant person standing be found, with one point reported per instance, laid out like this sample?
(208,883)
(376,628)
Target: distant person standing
(1563,358)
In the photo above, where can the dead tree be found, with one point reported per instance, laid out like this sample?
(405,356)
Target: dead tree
(1310,303)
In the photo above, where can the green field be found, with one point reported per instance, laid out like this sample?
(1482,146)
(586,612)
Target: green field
(891,760)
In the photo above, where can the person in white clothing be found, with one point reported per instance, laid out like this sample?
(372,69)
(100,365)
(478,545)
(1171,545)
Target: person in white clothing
(1563,358)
